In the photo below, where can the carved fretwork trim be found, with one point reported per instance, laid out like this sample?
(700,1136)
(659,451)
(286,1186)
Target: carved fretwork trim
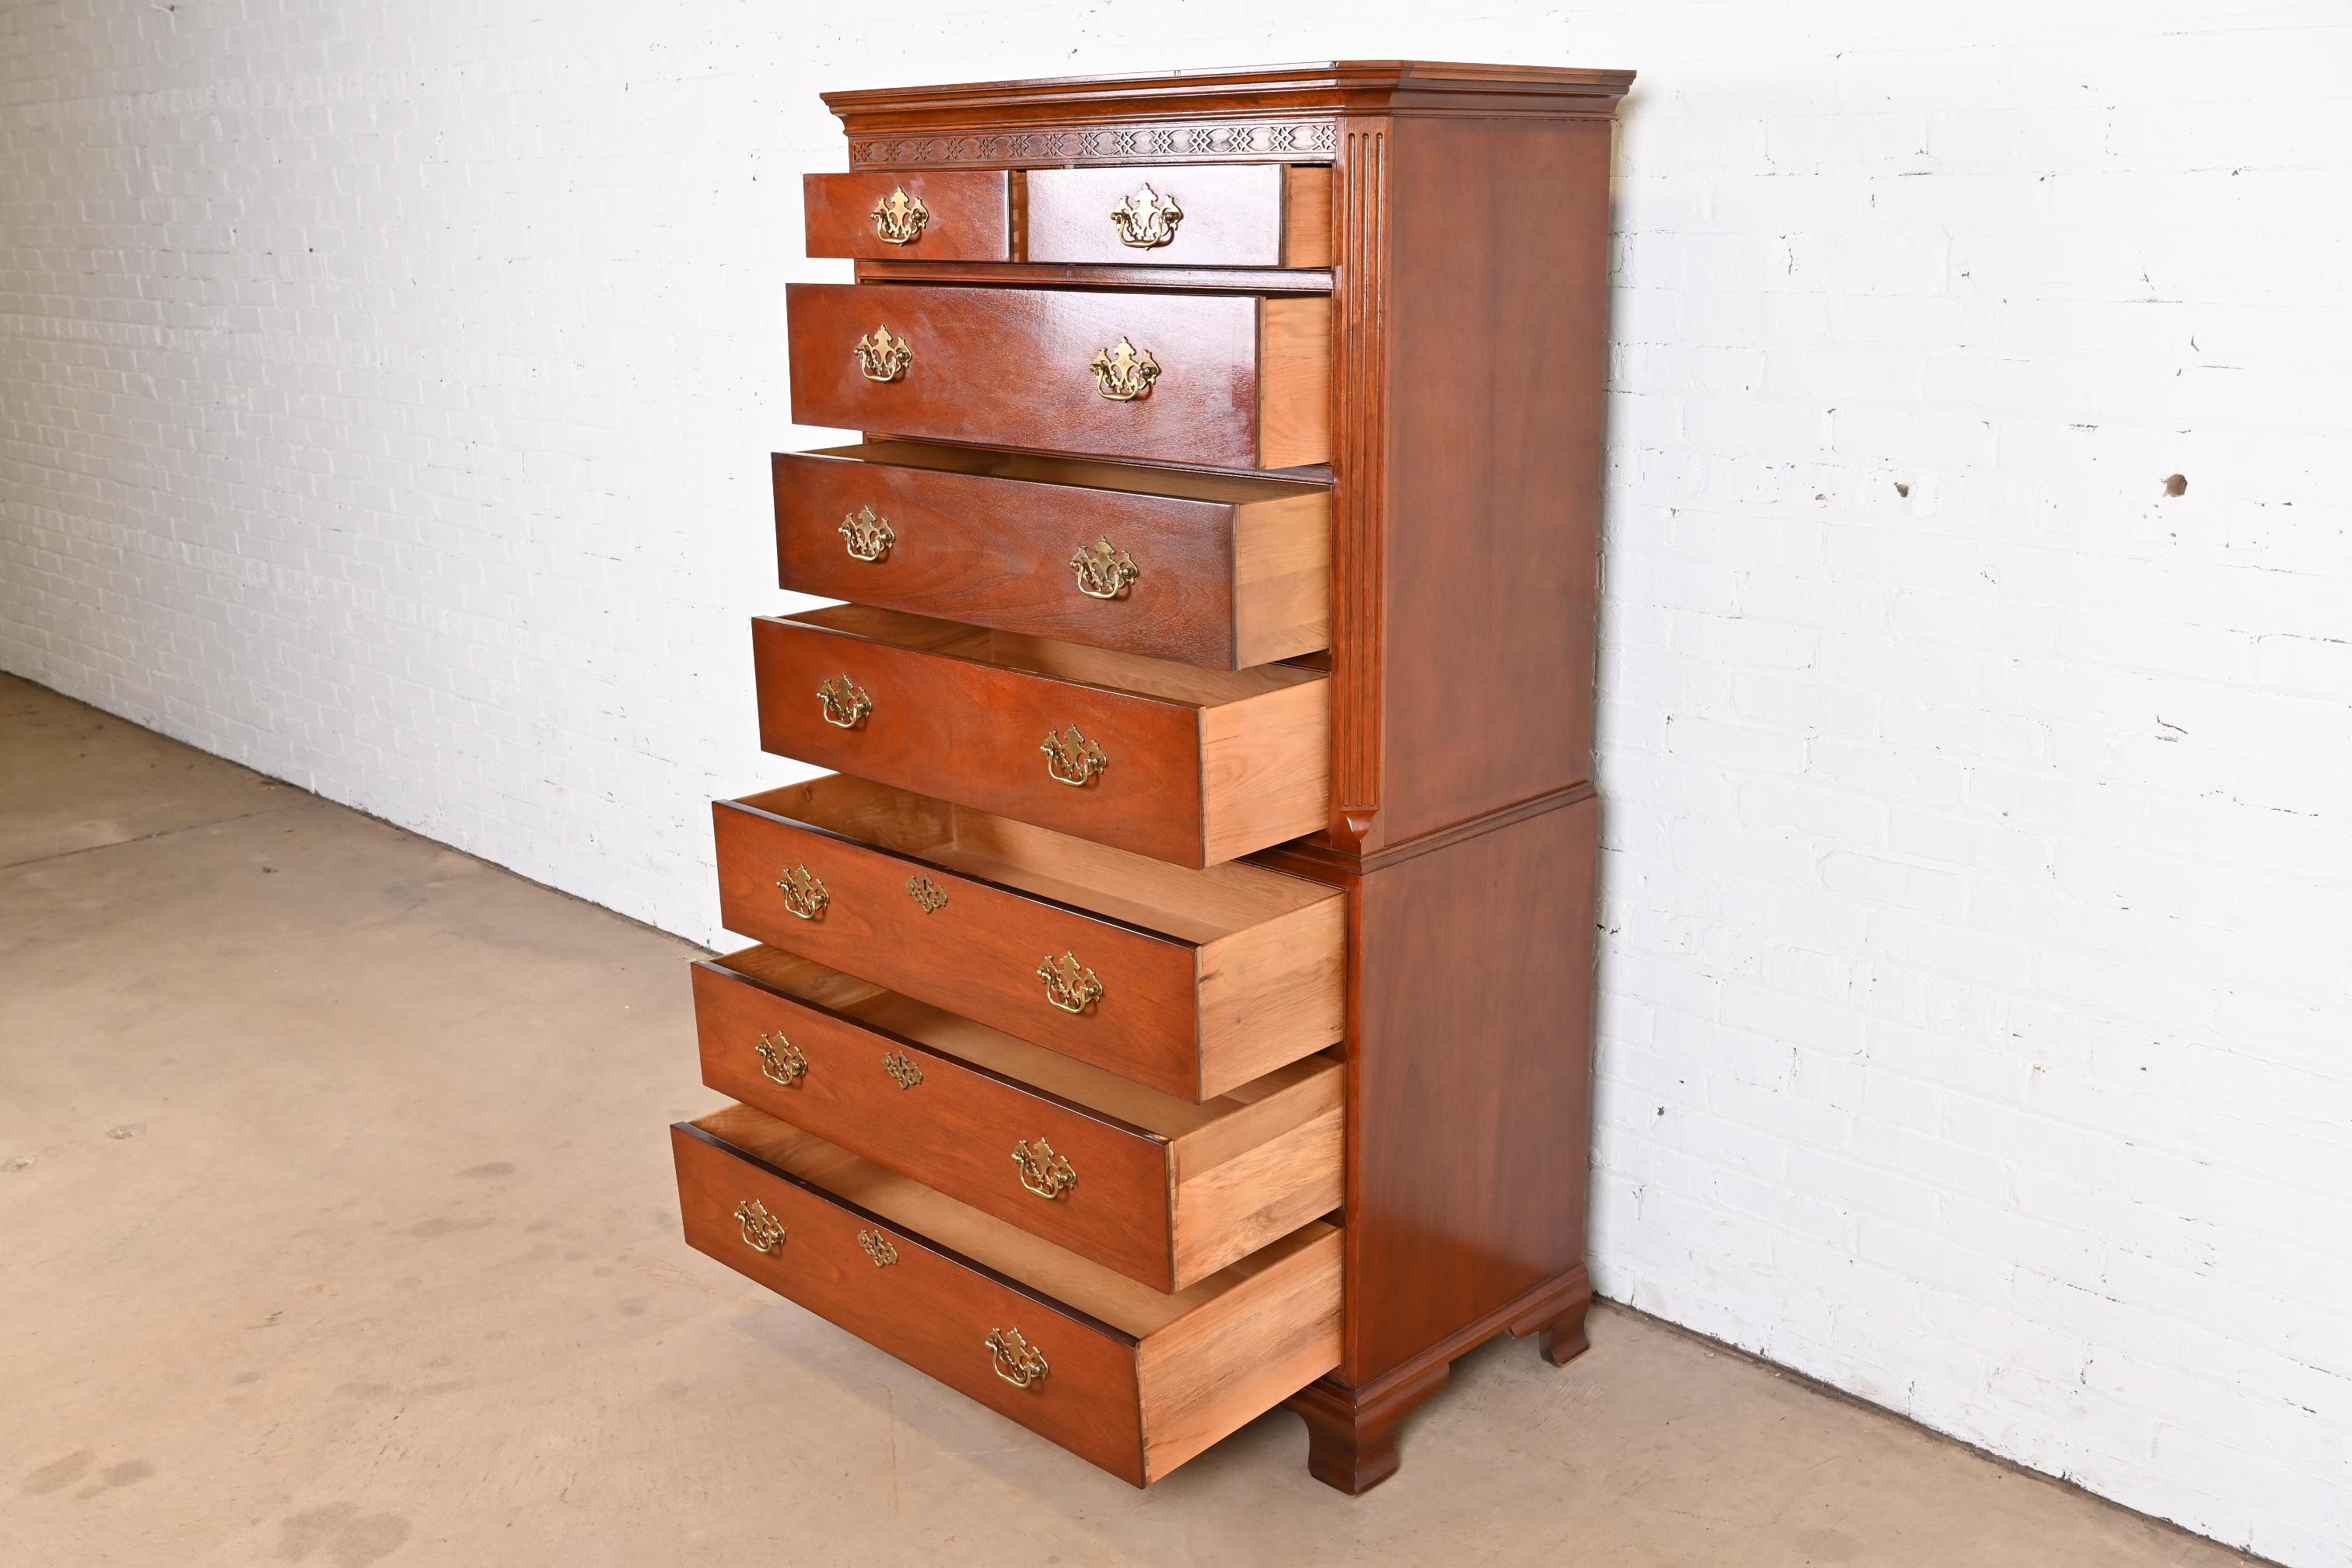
(1304,141)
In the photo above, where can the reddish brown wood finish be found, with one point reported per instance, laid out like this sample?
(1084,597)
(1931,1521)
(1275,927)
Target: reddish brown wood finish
(955,1129)
(987,538)
(1466,1176)
(1352,1432)
(955,1126)
(1467,274)
(1135,1380)
(1492,332)
(1241,215)
(930,1308)
(1247,115)
(979,953)
(971,214)
(956,714)
(1011,367)
(1044,274)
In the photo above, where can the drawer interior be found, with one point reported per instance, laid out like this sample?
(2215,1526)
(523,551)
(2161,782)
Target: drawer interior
(1154,677)
(1134,1310)
(1083,473)
(1198,905)
(1162,1115)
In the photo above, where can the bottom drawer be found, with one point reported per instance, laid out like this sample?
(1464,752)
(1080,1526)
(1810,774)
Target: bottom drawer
(1120,1374)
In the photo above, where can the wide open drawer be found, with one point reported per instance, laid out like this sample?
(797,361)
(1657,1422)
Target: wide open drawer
(1210,569)
(1164,1191)
(1192,981)
(1135,1380)
(1189,765)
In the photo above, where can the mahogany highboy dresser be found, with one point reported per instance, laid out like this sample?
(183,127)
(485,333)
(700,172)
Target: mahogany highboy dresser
(1177,1001)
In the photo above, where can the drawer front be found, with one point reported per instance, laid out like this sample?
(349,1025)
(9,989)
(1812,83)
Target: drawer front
(1222,583)
(976,734)
(954,1128)
(961,216)
(976,952)
(1223,381)
(928,1308)
(1235,214)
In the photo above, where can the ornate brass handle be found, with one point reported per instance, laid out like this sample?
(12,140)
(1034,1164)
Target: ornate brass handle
(1105,571)
(763,1232)
(1147,218)
(1069,984)
(781,1060)
(1123,373)
(1072,759)
(1043,1171)
(866,537)
(1018,1362)
(805,892)
(844,702)
(885,358)
(877,1246)
(900,218)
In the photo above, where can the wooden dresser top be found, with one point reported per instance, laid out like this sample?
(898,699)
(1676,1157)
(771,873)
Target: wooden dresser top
(1258,114)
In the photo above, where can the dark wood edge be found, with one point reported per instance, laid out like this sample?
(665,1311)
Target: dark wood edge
(913,1237)
(1521,1315)
(1326,83)
(719,965)
(1320,853)
(1141,279)
(1195,709)
(856,843)
(849,455)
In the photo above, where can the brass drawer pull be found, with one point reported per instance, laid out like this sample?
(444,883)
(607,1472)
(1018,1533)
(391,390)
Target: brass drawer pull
(1123,373)
(844,702)
(763,1232)
(1105,571)
(781,1060)
(902,1070)
(867,536)
(878,1246)
(885,358)
(1146,219)
(900,218)
(1018,1362)
(804,893)
(1072,759)
(1069,984)
(928,896)
(1043,1171)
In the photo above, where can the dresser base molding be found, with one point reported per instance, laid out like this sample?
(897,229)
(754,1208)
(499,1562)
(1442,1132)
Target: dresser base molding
(1351,1433)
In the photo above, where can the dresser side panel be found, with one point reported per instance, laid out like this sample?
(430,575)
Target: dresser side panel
(1470,1102)
(1496,326)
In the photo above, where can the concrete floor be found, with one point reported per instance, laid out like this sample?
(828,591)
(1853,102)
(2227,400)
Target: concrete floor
(337,1228)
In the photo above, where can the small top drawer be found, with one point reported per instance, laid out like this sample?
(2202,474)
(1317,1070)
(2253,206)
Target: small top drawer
(1238,214)
(947,216)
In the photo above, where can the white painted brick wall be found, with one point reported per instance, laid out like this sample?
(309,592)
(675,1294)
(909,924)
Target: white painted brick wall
(385,391)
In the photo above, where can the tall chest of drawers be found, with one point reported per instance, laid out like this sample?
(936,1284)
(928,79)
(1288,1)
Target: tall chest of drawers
(1176,1001)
